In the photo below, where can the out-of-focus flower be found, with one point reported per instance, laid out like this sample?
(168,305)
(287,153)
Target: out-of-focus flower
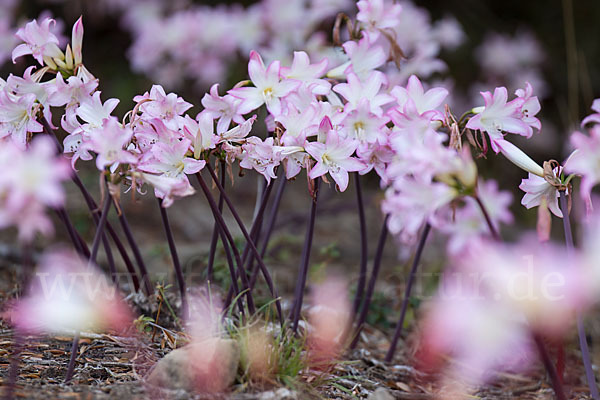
(329,319)
(586,159)
(17,116)
(378,14)
(31,181)
(66,294)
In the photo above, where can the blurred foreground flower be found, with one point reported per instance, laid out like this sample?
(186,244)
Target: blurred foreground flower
(208,364)
(66,294)
(496,298)
(329,320)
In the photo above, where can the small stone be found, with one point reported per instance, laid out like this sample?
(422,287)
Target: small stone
(279,394)
(209,366)
(380,394)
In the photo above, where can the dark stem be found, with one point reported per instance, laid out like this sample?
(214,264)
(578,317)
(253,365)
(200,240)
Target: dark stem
(100,228)
(362,277)
(253,248)
(270,225)
(137,254)
(234,289)
(255,234)
(15,357)
(411,279)
(488,220)
(215,234)
(174,256)
(554,379)
(583,345)
(362,318)
(71,367)
(303,269)
(225,231)
(78,244)
(92,206)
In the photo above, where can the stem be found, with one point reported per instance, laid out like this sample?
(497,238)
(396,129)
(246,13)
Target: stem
(256,228)
(71,367)
(488,220)
(13,372)
(583,345)
(411,279)
(100,228)
(362,318)
(92,206)
(215,234)
(270,225)
(78,244)
(174,256)
(362,277)
(303,271)
(227,235)
(240,223)
(137,254)
(554,379)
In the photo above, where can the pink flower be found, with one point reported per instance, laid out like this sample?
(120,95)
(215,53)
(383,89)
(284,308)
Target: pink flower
(359,123)
(17,116)
(329,320)
(586,159)
(356,90)
(66,294)
(427,101)
(334,157)
(169,159)
(530,108)
(537,189)
(310,74)
(200,132)
(166,187)
(223,108)
(269,88)
(77,41)
(378,14)
(498,116)
(261,156)
(365,56)
(39,41)
(376,157)
(109,143)
(158,104)
(595,117)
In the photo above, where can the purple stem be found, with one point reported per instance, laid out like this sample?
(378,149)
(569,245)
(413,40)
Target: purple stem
(253,248)
(93,207)
(554,379)
(270,225)
(227,237)
(92,260)
(78,244)
(583,345)
(138,257)
(13,372)
(174,256)
(371,286)
(411,279)
(215,234)
(255,230)
(362,277)
(488,220)
(304,261)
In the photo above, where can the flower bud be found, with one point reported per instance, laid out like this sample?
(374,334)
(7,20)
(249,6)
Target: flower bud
(519,158)
(77,41)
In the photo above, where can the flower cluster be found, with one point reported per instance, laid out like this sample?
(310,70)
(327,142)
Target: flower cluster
(496,295)
(31,181)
